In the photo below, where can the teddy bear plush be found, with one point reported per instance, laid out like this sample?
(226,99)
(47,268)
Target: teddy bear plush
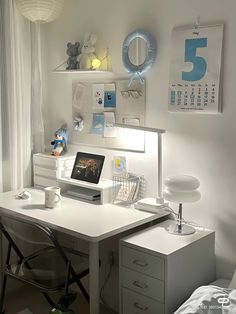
(87,54)
(73,51)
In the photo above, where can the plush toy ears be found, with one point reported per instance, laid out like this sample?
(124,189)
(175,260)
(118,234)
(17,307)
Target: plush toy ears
(77,44)
(91,38)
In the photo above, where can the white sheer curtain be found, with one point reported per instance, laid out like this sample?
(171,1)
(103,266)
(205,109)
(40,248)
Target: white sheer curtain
(20,86)
(0,114)
(1,92)
(37,90)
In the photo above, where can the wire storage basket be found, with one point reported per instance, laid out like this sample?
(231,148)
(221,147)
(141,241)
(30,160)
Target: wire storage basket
(128,188)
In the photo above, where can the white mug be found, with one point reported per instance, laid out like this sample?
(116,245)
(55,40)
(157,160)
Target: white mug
(52,196)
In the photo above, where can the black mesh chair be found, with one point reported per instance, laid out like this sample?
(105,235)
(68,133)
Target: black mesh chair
(35,257)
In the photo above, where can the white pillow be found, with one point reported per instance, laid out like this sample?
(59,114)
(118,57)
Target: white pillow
(232,284)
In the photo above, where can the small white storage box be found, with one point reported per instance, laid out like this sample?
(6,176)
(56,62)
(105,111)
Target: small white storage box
(48,169)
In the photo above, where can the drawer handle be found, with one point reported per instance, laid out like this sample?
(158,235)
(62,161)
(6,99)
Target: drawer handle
(140,284)
(140,307)
(140,263)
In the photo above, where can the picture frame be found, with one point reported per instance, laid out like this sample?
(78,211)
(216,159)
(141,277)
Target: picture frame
(87,167)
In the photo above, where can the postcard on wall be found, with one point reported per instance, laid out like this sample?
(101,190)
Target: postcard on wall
(109,129)
(195,69)
(77,95)
(98,123)
(110,95)
(119,165)
(98,96)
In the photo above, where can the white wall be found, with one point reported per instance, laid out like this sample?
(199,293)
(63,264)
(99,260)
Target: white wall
(202,145)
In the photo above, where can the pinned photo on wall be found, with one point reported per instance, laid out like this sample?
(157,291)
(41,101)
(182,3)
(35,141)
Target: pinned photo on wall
(77,95)
(110,95)
(98,96)
(131,120)
(119,165)
(109,121)
(98,124)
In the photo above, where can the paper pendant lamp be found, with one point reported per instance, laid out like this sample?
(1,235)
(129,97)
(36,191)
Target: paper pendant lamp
(40,11)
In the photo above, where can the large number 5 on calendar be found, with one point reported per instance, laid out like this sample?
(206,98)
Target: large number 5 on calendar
(199,63)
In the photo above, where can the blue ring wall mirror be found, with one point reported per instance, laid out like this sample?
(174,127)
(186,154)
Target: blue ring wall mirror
(139,53)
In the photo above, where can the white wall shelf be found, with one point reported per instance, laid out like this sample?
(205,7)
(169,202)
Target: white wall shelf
(85,72)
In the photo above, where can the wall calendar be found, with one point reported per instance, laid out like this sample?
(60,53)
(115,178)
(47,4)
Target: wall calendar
(195,69)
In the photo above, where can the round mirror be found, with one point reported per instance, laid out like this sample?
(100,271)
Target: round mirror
(139,53)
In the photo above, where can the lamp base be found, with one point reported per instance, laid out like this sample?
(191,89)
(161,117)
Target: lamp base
(150,205)
(185,230)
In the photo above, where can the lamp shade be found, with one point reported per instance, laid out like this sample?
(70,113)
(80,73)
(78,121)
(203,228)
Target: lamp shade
(182,189)
(182,183)
(40,11)
(181,197)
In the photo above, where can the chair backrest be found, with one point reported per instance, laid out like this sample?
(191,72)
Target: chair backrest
(29,244)
(27,236)
(40,260)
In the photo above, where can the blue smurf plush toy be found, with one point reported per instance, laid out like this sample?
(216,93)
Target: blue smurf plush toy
(60,142)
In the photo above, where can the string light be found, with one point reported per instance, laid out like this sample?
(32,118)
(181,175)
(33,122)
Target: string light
(96,64)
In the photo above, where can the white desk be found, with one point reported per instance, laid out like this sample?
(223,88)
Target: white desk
(82,220)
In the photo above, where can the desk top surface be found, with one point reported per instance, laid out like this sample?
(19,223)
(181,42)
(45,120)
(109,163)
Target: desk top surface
(83,220)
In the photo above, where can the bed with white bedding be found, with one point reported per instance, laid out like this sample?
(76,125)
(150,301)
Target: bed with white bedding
(216,298)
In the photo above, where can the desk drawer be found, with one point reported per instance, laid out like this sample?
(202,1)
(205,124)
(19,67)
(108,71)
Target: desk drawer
(143,262)
(45,172)
(41,181)
(134,303)
(45,162)
(148,286)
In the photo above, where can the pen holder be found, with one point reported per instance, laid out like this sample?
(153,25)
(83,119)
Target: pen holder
(128,188)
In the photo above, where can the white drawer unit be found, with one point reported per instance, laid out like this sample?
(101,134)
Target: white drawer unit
(159,271)
(48,169)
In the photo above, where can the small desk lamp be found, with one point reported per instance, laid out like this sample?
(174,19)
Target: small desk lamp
(181,189)
(150,204)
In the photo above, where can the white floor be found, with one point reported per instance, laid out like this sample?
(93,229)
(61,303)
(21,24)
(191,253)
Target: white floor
(28,300)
